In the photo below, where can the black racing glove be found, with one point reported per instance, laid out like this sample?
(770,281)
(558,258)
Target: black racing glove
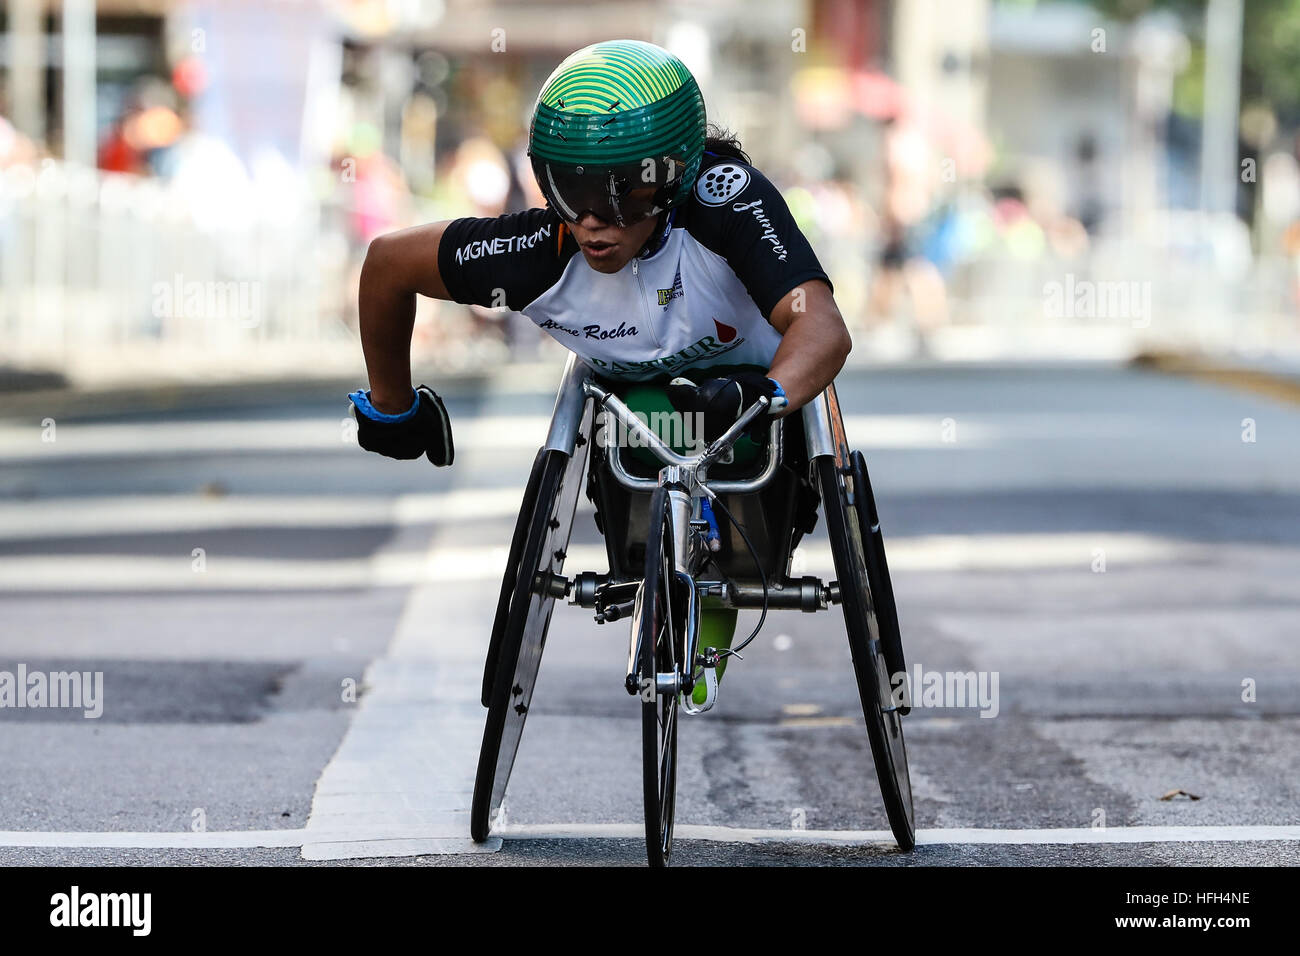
(721,401)
(423,429)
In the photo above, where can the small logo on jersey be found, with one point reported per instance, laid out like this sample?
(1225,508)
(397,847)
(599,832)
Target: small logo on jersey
(495,246)
(667,295)
(725,332)
(721,183)
(707,350)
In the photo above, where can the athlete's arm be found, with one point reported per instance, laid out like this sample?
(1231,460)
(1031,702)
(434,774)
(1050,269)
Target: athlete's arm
(756,233)
(397,267)
(499,261)
(814,344)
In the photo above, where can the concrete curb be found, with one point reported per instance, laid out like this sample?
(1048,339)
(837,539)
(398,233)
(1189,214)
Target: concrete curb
(1279,385)
(36,396)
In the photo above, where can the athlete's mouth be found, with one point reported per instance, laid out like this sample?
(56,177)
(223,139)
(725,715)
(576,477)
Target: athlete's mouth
(599,249)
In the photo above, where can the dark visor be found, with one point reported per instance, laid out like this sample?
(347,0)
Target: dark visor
(615,194)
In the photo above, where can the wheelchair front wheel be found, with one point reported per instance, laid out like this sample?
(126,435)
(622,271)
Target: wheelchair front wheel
(884,721)
(660,622)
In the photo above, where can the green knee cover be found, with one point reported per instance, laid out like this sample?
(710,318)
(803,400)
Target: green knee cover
(717,628)
(651,402)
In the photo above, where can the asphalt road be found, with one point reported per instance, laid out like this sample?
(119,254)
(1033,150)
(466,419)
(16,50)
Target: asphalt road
(1100,541)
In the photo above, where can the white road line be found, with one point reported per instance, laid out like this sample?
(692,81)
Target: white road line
(412,840)
(408,759)
(123,572)
(138,573)
(180,514)
(936,837)
(238,839)
(374,837)
(410,754)
(164,437)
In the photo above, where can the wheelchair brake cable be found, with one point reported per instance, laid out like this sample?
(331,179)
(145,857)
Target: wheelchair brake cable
(735,651)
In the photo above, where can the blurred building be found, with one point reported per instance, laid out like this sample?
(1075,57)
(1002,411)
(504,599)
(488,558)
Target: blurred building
(111,45)
(1078,105)
(963,152)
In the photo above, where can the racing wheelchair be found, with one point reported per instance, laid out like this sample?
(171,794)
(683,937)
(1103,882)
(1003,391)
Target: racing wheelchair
(701,528)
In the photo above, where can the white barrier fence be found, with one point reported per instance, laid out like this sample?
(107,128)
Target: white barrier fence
(99,261)
(1158,296)
(99,268)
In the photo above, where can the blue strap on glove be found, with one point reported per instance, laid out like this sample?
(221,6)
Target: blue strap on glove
(779,400)
(361,399)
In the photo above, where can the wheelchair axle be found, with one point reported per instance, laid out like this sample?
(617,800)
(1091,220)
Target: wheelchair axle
(613,600)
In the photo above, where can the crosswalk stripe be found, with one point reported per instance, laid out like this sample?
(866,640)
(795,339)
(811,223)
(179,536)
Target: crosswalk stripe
(164,438)
(213,571)
(172,514)
(411,750)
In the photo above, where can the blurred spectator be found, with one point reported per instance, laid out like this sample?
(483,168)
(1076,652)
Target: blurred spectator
(15,148)
(116,154)
(480,175)
(1087,183)
(1021,236)
(905,264)
(140,138)
(379,198)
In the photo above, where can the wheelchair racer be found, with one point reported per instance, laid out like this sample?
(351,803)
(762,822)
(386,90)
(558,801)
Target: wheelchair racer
(663,259)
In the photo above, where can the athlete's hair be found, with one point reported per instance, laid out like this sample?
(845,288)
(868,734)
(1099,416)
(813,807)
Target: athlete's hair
(720,141)
(723,142)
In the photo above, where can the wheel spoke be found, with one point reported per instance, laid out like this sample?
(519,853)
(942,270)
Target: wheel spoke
(667,724)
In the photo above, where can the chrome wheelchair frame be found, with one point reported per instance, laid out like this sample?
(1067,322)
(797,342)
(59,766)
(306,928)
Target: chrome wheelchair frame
(664,659)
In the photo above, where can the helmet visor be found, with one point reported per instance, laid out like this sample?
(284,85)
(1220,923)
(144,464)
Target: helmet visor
(614,194)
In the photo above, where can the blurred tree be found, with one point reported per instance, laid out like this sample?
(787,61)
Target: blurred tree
(1270,56)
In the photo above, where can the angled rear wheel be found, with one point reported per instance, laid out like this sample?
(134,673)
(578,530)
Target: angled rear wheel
(878,582)
(533,580)
(862,605)
(509,580)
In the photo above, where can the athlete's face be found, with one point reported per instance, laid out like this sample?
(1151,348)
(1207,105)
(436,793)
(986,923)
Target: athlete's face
(608,247)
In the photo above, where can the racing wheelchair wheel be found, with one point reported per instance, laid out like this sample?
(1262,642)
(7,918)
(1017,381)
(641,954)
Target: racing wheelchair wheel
(659,620)
(510,578)
(878,582)
(533,580)
(862,607)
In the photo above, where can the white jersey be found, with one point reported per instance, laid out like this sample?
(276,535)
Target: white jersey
(699,298)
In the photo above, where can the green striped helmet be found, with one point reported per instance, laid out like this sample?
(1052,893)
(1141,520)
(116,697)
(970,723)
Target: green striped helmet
(618,130)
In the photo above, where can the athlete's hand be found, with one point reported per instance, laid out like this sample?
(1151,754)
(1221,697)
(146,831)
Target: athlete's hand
(721,400)
(423,429)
